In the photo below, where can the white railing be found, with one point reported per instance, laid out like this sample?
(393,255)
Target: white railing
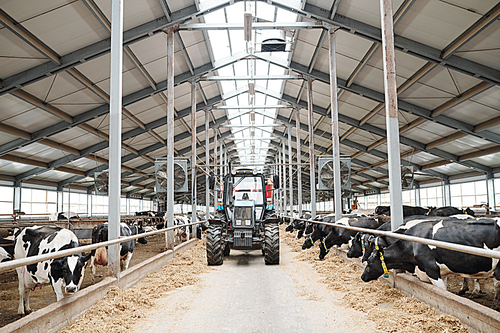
(445,245)
(35,259)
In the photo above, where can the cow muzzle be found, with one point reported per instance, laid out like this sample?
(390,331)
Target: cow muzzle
(71,289)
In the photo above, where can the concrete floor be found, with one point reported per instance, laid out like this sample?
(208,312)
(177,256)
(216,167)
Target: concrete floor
(245,295)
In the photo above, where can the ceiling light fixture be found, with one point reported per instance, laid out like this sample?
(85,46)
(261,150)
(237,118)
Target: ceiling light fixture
(247,26)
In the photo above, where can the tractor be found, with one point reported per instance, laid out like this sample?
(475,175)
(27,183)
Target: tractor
(245,220)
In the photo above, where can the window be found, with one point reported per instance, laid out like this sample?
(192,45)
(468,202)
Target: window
(432,196)
(99,205)
(6,200)
(468,194)
(75,202)
(38,201)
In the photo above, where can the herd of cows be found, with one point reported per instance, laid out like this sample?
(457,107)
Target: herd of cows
(380,253)
(429,263)
(66,274)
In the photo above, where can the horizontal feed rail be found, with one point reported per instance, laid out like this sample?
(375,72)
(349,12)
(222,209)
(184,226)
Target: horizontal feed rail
(444,245)
(35,259)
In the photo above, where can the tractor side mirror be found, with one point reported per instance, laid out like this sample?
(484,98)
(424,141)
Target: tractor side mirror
(211,182)
(276,181)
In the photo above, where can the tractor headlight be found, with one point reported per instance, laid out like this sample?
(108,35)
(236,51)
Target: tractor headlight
(238,222)
(248,222)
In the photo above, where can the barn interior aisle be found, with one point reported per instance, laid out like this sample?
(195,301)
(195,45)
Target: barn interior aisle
(302,294)
(244,296)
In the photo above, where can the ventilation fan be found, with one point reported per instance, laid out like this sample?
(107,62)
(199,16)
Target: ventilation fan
(326,175)
(101,181)
(407,177)
(180,175)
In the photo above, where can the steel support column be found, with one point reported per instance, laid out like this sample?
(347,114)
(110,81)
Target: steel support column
(391,107)
(221,171)
(115,136)
(216,196)
(16,202)
(446,193)
(299,160)
(311,147)
(89,204)
(284,177)
(169,235)
(490,191)
(207,161)
(193,155)
(289,128)
(280,181)
(335,127)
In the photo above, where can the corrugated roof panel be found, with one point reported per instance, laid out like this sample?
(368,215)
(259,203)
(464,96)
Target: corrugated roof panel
(424,96)
(450,81)
(491,160)
(13,168)
(85,163)
(429,131)
(11,106)
(41,152)
(305,45)
(54,175)
(435,23)
(5,137)
(17,56)
(483,48)
(466,144)
(75,20)
(32,120)
(471,112)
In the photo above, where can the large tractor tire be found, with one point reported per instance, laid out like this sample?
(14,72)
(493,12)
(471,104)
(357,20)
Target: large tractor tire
(272,244)
(214,245)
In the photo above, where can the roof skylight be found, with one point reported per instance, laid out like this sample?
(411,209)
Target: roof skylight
(228,43)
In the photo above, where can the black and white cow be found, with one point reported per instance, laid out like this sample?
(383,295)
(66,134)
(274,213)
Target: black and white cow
(363,244)
(100,234)
(407,210)
(63,216)
(64,274)
(437,262)
(339,236)
(298,225)
(448,211)
(4,255)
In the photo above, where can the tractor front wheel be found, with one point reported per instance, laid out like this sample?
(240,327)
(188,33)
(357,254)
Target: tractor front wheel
(214,245)
(272,244)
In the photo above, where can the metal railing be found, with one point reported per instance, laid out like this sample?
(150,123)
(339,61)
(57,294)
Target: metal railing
(35,259)
(445,245)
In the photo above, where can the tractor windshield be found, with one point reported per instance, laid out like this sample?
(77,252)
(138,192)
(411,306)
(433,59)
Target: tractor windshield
(248,186)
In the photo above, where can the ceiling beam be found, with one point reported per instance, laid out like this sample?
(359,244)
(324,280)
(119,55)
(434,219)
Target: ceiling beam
(103,47)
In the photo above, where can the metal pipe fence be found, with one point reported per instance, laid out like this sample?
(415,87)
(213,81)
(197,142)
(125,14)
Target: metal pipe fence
(44,257)
(445,245)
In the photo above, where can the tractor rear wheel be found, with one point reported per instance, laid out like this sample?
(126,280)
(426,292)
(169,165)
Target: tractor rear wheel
(272,244)
(214,245)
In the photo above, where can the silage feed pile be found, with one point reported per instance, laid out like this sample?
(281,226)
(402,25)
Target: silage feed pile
(390,309)
(120,309)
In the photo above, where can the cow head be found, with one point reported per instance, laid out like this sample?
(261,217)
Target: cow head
(309,228)
(469,211)
(140,230)
(357,245)
(316,234)
(382,210)
(68,271)
(289,228)
(332,238)
(308,243)
(373,269)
